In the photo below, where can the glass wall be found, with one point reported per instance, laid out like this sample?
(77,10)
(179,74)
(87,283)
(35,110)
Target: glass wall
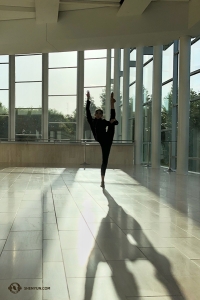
(4,96)
(147,81)
(194,121)
(28,97)
(147,113)
(167,63)
(132,95)
(147,107)
(131,112)
(166,122)
(95,82)
(167,104)
(62,96)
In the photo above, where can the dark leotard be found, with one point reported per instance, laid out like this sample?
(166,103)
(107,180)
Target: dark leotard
(105,138)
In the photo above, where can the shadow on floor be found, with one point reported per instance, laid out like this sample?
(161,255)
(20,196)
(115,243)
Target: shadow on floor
(116,247)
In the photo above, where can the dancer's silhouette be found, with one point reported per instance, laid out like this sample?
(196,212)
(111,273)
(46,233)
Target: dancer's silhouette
(98,126)
(117,247)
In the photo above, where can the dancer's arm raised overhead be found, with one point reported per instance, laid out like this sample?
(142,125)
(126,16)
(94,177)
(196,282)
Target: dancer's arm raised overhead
(88,113)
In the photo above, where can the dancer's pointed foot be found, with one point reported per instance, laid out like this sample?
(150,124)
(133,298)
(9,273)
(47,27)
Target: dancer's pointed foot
(102,184)
(112,100)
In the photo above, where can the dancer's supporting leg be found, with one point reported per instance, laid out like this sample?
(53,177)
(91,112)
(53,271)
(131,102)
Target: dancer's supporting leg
(106,145)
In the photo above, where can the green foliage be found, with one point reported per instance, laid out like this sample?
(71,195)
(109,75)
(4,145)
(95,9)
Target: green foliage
(3,109)
(166,113)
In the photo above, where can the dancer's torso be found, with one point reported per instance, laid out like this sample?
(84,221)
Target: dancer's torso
(99,129)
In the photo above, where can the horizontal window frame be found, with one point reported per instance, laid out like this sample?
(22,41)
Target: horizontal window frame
(54,122)
(63,95)
(32,81)
(59,68)
(167,81)
(147,62)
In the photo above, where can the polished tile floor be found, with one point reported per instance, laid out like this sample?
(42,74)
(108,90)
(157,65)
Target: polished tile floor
(63,237)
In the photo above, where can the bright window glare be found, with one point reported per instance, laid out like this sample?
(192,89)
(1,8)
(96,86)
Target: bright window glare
(4,71)
(147,81)
(146,58)
(132,74)
(28,94)
(95,53)
(167,65)
(28,68)
(95,72)
(195,51)
(122,60)
(194,83)
(133,55)
(62,81)
(63,59)
(4,58)
(65,105)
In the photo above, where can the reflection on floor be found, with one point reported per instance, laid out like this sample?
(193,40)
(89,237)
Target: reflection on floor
(63,237)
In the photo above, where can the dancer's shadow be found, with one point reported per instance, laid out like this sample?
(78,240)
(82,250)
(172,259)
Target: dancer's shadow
(117,250)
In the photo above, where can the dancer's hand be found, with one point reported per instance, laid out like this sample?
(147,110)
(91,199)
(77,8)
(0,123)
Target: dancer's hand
(112,100)
(88,95)
(112,121)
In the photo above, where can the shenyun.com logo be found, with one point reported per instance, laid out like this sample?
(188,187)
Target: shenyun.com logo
(14,287)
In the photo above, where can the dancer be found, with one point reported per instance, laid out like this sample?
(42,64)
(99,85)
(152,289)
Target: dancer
(98,126)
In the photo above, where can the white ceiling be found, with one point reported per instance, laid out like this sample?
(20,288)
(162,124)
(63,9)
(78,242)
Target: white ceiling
(32,26)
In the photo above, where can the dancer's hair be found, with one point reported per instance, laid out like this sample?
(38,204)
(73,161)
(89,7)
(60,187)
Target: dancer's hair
(99,109)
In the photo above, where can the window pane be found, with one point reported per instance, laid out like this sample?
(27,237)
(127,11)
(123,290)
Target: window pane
(62,81)
(133,55)
(122,59)
(166,122)
(96,94)
(167,65)
(121,90)
(147,81)
(147,122)
(62,131)
(147,110)
(166,113)
(63,59)
(195,53)
(28,124)
(112,68)
(62,105)
(28,94)
(195,86)
(4,102)
(194,137)
(146,58)
(112,52)
(28,68)
(132,112)
(4,72)
(4,58)
(95,72)
(95,53)
(132,74)
(132,100)
(4,127)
